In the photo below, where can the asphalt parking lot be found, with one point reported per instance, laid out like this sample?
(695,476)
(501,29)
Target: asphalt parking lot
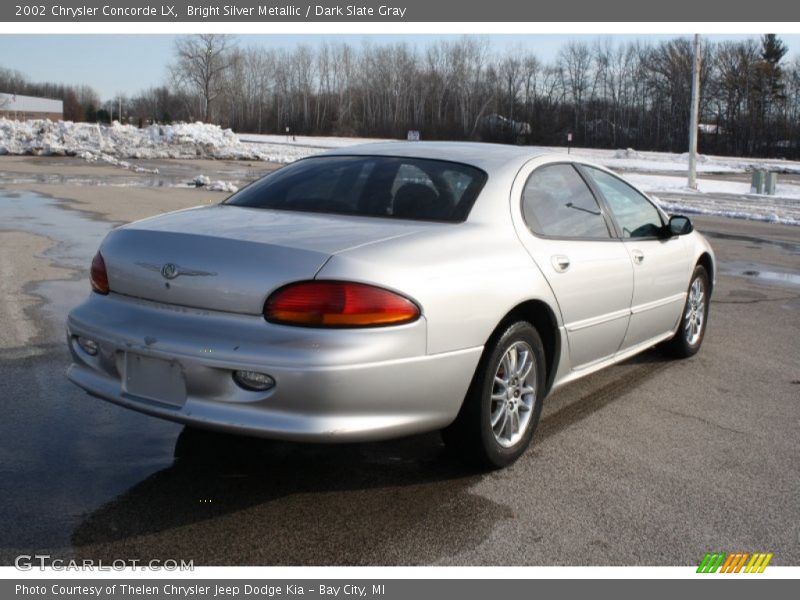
(650,462)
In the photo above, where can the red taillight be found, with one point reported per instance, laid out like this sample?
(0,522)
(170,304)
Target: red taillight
(338,304)
(98,275)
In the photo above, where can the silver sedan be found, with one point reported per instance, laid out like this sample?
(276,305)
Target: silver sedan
(388,289)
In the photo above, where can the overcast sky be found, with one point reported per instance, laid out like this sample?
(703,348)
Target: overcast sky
(130,63)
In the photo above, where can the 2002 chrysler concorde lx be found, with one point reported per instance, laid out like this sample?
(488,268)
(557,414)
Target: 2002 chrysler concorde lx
(386,289)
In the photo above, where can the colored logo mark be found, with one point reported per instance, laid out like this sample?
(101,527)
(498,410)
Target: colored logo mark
(734,562)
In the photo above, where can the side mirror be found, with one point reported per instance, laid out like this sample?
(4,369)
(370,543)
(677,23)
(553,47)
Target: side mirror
(679,225)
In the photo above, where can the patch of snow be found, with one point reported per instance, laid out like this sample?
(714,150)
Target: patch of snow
(628,153)
(724,198)
(204,181)
(732,211)
(701,158)
(107,158)
(223,186)
(645,161)
(301,141)
(673,184)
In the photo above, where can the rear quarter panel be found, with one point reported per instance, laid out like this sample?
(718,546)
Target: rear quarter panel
(465,277)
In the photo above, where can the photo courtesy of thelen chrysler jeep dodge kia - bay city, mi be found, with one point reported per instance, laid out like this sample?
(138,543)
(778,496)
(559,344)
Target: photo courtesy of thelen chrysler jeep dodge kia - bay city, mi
(388,289)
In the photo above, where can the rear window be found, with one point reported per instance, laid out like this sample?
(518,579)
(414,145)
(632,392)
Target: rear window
(370,186)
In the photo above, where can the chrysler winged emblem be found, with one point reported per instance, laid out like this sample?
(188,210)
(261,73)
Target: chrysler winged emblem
(171,270)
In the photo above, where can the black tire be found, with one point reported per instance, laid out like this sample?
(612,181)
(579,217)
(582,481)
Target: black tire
(471,436)
(683,344)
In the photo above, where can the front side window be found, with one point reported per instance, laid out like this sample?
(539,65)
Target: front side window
(375,186)
(635,214)
(557,202)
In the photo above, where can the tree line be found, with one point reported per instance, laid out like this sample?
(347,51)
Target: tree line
(634,94)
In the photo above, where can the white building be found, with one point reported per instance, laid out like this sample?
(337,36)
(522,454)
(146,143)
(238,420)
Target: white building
(19,107)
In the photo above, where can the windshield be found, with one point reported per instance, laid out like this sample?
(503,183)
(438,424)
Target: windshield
(372,186)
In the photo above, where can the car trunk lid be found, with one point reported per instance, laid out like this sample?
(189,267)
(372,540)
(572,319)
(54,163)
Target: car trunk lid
(230,258)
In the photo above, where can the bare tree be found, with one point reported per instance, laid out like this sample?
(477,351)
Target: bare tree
(201,63)
(574,62)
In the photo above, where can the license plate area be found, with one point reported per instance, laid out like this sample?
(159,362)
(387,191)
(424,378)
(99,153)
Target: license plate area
(154,379)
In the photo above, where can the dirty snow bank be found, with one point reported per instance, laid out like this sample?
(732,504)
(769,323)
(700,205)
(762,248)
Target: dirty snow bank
(65,138)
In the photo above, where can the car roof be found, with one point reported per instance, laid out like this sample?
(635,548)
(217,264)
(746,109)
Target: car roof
(492,158)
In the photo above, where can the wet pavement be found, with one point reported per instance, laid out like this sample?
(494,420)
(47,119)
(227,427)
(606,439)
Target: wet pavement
(151,174)
(649,462)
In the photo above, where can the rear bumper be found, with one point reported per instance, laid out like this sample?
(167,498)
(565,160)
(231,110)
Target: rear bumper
(330,385)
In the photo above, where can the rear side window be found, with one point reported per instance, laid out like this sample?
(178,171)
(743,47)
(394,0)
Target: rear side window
(557,202)
(374,186)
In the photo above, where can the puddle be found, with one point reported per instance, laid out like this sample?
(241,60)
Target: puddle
(77,236)
(168,175)
(60,297)
(754,242)
(76,233)
(760,273)
(84,180)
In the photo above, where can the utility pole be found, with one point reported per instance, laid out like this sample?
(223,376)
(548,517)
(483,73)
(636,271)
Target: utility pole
(694,118)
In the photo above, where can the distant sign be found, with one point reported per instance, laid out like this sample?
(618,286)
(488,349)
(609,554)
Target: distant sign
(569,137)
(413,135)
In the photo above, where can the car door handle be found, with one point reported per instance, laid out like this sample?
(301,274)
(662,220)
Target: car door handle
(638,256)
(560,262)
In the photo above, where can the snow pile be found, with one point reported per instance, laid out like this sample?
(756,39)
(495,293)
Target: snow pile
(627,153)
(214,186)
(223,186)
(65,138)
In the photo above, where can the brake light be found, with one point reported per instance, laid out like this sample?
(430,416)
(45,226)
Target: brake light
(338,304)
(98,275)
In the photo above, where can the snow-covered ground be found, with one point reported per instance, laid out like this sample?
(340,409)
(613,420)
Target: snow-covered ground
(634,160)
(723,198)
(626,159)
(117,144)
(307,141)
(673,184)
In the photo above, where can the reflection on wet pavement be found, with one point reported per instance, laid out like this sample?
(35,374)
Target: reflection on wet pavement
(294,504)
(175,174)
(134,180)
(63,453)
(760,272)
(78,234)
(755,242)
